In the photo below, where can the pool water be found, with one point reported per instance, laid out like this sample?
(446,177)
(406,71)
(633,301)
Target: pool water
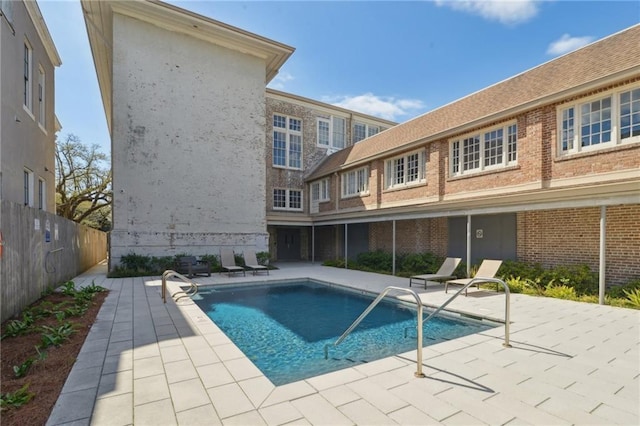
(283,328)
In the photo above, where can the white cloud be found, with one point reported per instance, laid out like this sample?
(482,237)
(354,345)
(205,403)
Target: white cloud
(509,12)
(280,79)
(566,44)
(387,107)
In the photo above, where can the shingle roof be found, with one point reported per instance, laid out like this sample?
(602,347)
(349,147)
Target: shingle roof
(607,57)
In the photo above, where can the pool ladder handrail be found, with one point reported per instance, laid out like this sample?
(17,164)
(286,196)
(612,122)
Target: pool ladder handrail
(421,321)
(507,308)
(169,273)
(373,304)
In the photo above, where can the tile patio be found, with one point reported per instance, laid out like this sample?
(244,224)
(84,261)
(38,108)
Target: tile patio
(149,363)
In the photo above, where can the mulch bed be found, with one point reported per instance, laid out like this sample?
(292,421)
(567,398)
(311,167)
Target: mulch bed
(45,377)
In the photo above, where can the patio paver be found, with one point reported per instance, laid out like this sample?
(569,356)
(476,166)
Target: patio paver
(146,362)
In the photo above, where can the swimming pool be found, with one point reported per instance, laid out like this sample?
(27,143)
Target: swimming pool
(282,327)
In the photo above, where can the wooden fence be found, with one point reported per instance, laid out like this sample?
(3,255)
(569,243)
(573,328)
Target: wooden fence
(40,250)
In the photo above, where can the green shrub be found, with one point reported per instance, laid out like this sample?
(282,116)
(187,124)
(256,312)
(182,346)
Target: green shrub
(579,277)
(263,258)
(560,291)
(420,263)
(16,399)
(634,297)
(618,291)
(214,263)
(516,284)
(374,260)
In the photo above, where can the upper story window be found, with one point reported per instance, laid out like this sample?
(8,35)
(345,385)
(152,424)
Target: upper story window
(495,148)
(41,193)
(320,190)
(287,142)
(28,187)
(600,122)
(406,170)
(41,100)
(287,199)
(331,132)
(28,103)
(362,131)
(355,182)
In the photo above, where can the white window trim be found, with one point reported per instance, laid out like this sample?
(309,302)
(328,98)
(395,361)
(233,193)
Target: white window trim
(288,200)
(368,128)
(42,193)
(42,99)
(323,190)
(577,136)
(28,85)
(390,170)
(28,192)
(481,135)
(288,132)
(365,183)
(329,120)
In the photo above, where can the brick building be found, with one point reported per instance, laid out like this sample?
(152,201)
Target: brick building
(542,167)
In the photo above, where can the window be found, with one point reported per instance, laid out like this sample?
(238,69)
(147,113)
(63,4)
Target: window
(41,94)
(41,193)
(287,142)
(331,132)
(600,122)
(28,185)
(355,182)
(405,170)
(320,190)
(362,131)
(287,199)
(27,76)
(485,151)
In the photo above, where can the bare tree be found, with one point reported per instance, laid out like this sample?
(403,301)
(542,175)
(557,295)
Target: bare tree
(83,182)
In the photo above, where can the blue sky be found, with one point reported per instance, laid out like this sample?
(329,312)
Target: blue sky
(394,60)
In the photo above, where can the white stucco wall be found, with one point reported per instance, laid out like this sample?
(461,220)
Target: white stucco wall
(24,142)
(188,144)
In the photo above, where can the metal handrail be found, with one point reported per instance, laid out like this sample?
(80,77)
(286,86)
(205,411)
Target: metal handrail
(507,313)
(169,273)
(370,308)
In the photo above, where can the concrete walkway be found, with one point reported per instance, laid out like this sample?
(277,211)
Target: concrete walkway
(149,363)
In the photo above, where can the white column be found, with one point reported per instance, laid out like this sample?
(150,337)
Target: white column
(313,244)
(468,246)
(393,249)
(345,246)
(603,255)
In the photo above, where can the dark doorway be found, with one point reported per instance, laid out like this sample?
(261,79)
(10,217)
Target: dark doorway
(288,244)
(492,237)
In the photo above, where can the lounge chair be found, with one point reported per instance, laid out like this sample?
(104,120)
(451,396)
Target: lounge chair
(251,262)
(488,269)
(444,273)
(191,266)
(228,262)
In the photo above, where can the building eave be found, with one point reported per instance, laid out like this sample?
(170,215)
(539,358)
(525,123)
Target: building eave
(98,17)
(43,32)
(616,193)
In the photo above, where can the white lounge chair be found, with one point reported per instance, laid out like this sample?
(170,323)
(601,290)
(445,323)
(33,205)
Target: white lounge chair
(488,269)
(228,262)
(444,273)
(251,262)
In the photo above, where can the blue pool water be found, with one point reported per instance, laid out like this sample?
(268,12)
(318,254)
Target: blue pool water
(283,328)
